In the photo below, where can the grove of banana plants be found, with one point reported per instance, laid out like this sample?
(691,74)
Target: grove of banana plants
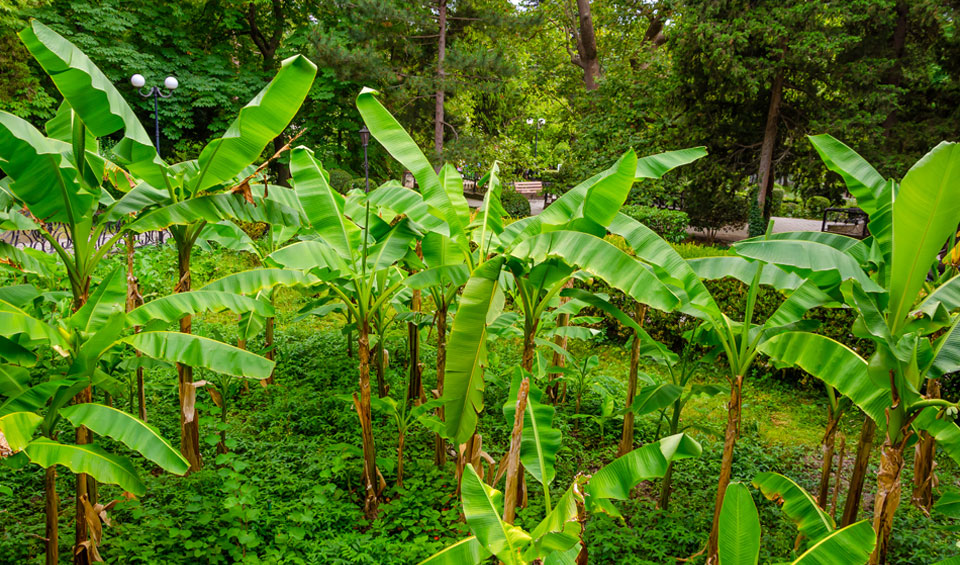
(396,374)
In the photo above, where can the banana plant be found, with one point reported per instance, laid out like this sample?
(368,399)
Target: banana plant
(823,541)
(404,415)
(83,341)
(558,536)
(904,306)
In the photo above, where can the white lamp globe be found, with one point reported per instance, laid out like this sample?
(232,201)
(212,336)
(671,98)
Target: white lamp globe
(171,83)
(529,121)
(137,80)
(542,121)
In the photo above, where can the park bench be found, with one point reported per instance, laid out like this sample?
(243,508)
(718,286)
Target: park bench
(846,221)
(532,188)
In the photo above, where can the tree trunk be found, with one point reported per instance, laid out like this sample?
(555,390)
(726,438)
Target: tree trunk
(558,359)
(895,73)
(189,418)
(400,461)
(514,469)
(414,384)
(439,445)
(587,46)
(726,465)
(769,142)
(441,54)
(888,497)
(666,488)
(626,441)
(85,485)
(529,349)
(371,498)
(829,440)
(858,474)
(923,461)
(839,477)
(134,299)
(280,169)
(52,507)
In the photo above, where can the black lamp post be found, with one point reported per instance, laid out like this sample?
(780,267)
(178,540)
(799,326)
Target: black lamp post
(170,83)
(536,134)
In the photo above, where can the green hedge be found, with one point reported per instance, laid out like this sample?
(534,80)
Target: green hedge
(671,225)
(515,204)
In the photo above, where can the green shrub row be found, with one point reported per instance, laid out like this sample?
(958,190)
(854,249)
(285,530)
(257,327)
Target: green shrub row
(671,225)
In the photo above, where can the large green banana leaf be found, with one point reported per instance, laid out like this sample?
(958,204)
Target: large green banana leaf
(798,505)
(616,480)
(862,180)
(712,268)
(851,545)
(142,196)
(942,428)
(805,298)
(197,351)
(835,364)
(605,198)
(18,427)
(35,397)
(392,246)
(947,294)
(467,551)
(947,352)
(214,208)
(258,123)
(314,256)
(739,541)
(227,235)
(175,306)
(654,398)
(492,211)
(481,507)
(559,530)
(925,214)
(881,230)
(452,184)
(14,380)
(602,259)
(107,299)
(21,259)
(251,282)
(466,352)
(856,248)
(14,321)
(128,430)
(671,267)
(403,200)
(43,177)
(388,131)
(655,166)
(94,98)
(323,205)
(823,264)
(89,459)
(456,275)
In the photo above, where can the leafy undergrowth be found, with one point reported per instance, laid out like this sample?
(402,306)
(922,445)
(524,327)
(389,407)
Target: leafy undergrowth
(289,489)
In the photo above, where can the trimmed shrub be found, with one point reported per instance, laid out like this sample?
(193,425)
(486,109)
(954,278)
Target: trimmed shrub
(340,180)
(671,225)
(789,209)
(816,205)
(712,208)
(515,204)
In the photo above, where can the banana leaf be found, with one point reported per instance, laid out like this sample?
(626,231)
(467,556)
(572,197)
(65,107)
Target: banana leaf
(18,427)
(89,459)
(852,544)
(739,542)
(175,306)
(323,205)
(481,507)
(812,522)
(128,430)
(862,180)
(197,351)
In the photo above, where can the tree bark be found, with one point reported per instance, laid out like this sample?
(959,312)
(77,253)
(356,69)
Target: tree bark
(415,383)
(626,441)
(133,301)
(769,142)
(726,465)
(829,441)
(52,507)
(888,498)
(858,474)
(587,59)
(440,446)
(370,474)
(923,461)
(400,461)
(85,485)
(514,469)
(666,488)
(441,75)
(189,417)
(558,359)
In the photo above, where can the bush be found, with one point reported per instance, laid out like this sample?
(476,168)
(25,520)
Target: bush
(776,201)
(816,205)
(789,209)
(712,208)
(515,204)
(694,250)
(340,180)
(671,225)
